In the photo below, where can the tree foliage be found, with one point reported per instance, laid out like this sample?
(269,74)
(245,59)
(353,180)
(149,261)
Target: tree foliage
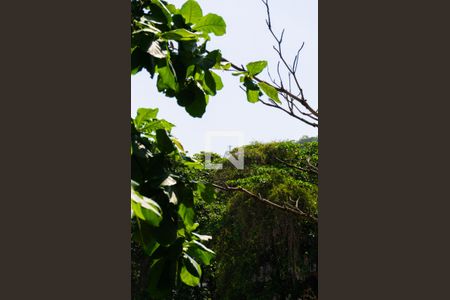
(262,252)
(163,195)
(172,43)
(167,186)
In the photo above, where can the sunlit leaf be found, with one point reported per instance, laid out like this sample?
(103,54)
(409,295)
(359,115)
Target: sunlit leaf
(200,252)
(179,35)
(252,91)
(254,68)
(211,23)
(191,11)
(146,209)
(190,271)
(145,115)
(270,91)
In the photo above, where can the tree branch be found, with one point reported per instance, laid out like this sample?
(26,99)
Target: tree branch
(285,207)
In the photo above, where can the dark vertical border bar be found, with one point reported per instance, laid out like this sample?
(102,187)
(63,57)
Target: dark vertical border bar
(65,158)
(383,229)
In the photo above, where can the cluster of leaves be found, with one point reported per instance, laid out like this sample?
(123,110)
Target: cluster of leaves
(255,87)
(171,43)
(163,195)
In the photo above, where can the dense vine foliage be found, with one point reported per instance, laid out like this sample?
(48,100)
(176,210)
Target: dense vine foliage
(262,252)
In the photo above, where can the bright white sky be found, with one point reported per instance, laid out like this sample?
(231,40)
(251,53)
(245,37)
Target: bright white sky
(247,39)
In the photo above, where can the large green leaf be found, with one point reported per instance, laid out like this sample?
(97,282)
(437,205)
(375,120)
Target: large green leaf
(209,84)
(190,271)
(166,79)
(270,91)
(256,67)
(212,83)
(252,96)
(218,80)
(193,98)
(146,209)
(187,215)
(200,252)
(179,35)
(211,23)
(159,12)
(145,115)
(191,11)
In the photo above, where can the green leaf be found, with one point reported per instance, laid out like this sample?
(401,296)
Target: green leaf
(172,8)
(252,96)
(154,125)
(166,79)
(160,12)
(252,91)
(211,23)
(193,99)
(218,80)
(200,252)
(163,141)
(226,66)
(190,71)
(256,67)
(146,209)
(270,91)
(179,35)
(191,12)
(211,59)
(209,83)
(145,115)
(190,271)
(187,215)
(178,144)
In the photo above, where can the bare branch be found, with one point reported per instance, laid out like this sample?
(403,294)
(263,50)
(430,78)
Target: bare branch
(292,99)
(285,207)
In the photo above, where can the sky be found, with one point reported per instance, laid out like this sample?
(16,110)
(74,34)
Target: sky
(229,120)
